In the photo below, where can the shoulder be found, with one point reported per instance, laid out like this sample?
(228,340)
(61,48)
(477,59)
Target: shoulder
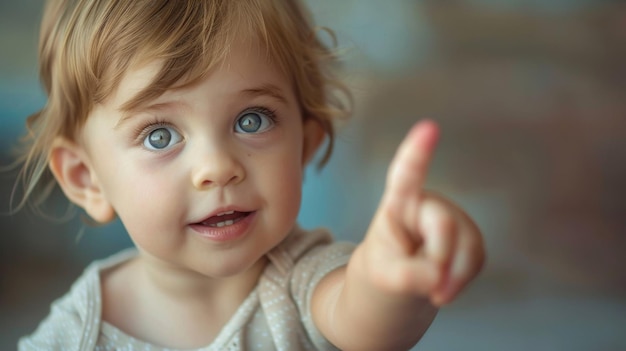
(310,244)
(318,251)
(296,266)
(74,318)
(306,256)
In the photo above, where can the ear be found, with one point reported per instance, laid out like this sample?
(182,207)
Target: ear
(71,168)
(313,137)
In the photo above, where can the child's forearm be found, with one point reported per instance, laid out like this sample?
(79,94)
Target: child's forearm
(362,316)
(420,249)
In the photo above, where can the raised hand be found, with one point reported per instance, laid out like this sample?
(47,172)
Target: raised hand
(418,243)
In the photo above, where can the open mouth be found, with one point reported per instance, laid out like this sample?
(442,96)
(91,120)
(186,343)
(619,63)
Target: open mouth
(224,219)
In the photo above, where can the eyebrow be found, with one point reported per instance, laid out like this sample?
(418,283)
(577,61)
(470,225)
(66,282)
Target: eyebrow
(161,106)
(268,89)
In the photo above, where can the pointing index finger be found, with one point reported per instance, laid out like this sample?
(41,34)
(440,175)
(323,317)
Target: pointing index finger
(409,167)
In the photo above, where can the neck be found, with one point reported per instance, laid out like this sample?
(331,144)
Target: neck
(138,295)
(189,287)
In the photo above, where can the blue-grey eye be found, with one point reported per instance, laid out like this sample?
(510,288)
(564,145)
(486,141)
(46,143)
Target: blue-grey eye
(162,138)
(253,122)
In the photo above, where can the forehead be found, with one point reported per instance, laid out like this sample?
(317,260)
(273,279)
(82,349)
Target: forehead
(245,68)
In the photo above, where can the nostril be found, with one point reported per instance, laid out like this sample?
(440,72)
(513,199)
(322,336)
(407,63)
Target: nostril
(217,174)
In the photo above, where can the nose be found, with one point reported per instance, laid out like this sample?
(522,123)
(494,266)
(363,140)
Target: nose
(217,168)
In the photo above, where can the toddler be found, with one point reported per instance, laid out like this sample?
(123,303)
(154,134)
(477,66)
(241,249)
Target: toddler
(193,121)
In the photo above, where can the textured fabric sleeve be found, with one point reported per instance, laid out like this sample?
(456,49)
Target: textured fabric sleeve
(60,330)
(308,271)
(72,323)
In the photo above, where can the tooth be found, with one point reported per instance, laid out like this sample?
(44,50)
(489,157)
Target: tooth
(230,212)
(229,222)
(220,224)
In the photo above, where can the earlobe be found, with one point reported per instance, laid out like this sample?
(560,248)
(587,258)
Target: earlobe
(70,166)
(313,137)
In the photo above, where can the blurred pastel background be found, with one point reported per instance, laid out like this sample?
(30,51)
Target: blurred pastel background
(531,99)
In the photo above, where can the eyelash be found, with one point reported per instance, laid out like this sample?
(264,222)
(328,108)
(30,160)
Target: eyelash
(144,129)
(271,113)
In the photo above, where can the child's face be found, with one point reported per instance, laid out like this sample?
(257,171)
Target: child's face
(234,142)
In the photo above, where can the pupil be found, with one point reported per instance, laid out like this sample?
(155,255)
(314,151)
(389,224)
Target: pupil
(250,122)
(160,138)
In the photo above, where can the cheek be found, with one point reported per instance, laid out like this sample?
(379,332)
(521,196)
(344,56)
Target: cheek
(138,194)
(149,209)
(283,184)
(289,191)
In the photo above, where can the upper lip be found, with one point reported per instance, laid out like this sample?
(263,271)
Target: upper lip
(220,210)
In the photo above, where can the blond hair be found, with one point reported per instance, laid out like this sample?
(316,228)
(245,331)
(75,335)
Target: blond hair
(86,46)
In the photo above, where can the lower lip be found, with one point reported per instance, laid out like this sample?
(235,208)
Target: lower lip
(226,233)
